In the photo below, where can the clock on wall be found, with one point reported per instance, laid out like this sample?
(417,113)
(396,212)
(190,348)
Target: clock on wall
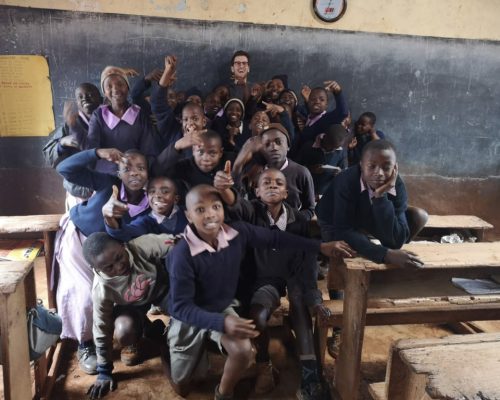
(329,10)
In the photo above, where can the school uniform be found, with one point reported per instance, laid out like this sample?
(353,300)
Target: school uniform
(348,206)
(362,141)
(169,128)
(74,301)
(318,124)
(174,224)
(132,131)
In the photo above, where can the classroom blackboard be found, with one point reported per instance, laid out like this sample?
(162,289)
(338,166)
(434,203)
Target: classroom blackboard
(437,99)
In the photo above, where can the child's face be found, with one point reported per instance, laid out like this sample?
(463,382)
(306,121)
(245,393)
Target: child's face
(234,112)
(181,97)
(206,213)
(171,99)
(113,261)
(162,195)
(260,120)
(287,98)
(240,67)
(274,89)
(116,89)
(193,117)
(134,173)
(207,156)
(271,188)
(377,167)
(317,102)
(212,105)
(275,147)
(88,99)
(194,98)
(363,126)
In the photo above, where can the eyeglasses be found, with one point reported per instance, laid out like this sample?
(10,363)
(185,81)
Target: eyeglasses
(241,63)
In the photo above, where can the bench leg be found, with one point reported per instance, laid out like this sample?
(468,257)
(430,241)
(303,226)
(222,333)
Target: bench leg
(320,337)
(347,374)
(15,356)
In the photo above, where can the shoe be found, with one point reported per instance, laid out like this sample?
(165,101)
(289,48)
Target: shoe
(333,343)
(87,359)
(219,396)
(265,381)
(130,355)
(313,391)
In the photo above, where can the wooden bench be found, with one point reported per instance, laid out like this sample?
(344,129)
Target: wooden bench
(17,288)
(454,367)
(444,224)
(380,294)
(46,226)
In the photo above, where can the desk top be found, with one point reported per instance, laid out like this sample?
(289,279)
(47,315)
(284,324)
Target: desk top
(440,256)
(457,222)
(12,273)
(30,223)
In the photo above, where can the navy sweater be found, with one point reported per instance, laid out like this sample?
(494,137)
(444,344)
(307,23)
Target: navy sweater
(343,211)
(169,129)
(146,223)
(201,287)
(87,216)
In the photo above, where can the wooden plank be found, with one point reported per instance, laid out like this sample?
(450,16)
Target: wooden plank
(437,255)
(12,274)
(14,340)
(377,391)
(54,366)
(347,374)
(457,222)
(30,223)
(462,367)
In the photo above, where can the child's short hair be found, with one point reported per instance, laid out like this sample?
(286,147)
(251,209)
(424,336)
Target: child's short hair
(240,53)
(371,116)
(95,244)
(318,89)
(271,169)
(135,152)
(212,135)
(161,177)
(336,133)
(378,145)
(201,190)
(194,106)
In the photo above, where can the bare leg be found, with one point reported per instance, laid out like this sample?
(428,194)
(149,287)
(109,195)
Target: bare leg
(239,357)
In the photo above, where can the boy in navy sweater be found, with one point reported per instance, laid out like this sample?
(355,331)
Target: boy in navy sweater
(204,272)
(267,274)
(370,197)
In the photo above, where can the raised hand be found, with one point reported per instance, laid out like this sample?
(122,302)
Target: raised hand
(332,86)
(223,179)
(305,92)
(169,73)
(114,209)
(273,109)
(191,137)
(154,75)
(113,155)
(240,327)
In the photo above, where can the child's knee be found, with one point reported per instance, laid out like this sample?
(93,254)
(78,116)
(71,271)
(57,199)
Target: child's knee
(240,349)
(126,330)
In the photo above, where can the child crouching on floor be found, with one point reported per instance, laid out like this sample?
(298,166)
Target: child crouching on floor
(128,279)
(204,270)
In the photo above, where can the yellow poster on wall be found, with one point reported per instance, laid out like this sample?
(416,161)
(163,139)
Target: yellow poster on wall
(25,96)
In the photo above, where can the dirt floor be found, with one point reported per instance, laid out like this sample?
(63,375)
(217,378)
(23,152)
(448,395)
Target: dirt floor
(148,380)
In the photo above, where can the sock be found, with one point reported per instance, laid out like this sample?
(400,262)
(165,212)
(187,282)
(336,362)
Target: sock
(309,370)
(85,344)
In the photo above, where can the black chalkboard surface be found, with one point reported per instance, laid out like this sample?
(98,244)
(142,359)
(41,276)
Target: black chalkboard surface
(438,100)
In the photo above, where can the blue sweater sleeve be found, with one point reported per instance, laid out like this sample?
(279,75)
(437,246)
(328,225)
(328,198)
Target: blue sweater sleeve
(286,121)
(137,91)
(142,225)
(166,123)
(75,169)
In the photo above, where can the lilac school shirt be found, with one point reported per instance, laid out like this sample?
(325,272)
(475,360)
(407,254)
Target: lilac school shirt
(132,131)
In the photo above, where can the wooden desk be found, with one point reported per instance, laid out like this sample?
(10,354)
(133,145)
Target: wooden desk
(418,296)
(453,367)
(17,284)
(47,225)
(446,223)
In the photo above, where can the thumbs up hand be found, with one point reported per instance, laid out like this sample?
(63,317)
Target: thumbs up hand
(223,179)
(114,209)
